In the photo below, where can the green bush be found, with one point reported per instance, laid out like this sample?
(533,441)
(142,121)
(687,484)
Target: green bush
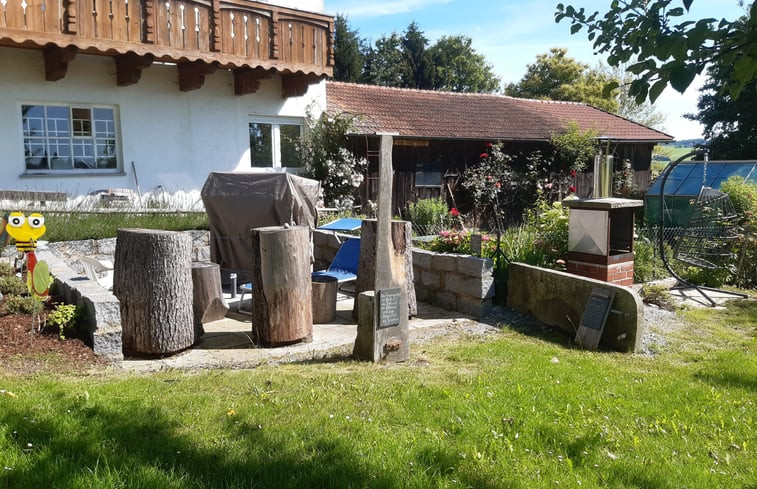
(64,318)
(743,195)
(6,269)
(648,265)
(428,216)
(658,295)
(13,285)
(16,304)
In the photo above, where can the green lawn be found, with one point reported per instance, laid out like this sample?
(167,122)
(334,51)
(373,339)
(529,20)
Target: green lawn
(512,410)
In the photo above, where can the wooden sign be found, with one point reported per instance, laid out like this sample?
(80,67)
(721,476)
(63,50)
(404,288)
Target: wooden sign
(594,318)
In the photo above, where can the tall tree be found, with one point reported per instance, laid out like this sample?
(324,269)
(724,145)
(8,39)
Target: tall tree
(348,55)
(729,123)
(384,62)
(666,51)
(419,68)
(556,76)
(459,68)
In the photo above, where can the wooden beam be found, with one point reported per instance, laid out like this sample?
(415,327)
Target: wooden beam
(56,61)
(297,85)
(129,68)
(192,74)
(247,80)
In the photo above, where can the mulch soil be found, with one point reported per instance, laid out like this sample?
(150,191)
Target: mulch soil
(22,352)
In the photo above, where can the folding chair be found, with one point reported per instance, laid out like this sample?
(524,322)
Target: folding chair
(344,265)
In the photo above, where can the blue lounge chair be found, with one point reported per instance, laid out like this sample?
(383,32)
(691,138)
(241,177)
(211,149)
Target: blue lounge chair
(344,265)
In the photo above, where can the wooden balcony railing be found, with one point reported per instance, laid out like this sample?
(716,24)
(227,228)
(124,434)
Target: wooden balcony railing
(251,38)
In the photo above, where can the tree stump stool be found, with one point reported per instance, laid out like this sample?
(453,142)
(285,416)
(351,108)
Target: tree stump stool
(324,299)
(207,295)
(281,292)
(153,282)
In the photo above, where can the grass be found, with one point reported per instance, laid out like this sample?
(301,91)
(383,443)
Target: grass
(69,226)
(513,410)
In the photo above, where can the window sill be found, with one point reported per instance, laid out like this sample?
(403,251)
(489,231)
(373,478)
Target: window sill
(72,173)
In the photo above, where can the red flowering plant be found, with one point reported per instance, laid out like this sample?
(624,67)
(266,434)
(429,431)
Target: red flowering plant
(459,242)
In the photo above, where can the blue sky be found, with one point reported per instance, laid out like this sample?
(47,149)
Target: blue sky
(511,33)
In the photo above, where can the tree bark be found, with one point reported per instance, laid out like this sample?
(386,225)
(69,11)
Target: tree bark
(366,275)
(207,295)
(153,282)
(281,288)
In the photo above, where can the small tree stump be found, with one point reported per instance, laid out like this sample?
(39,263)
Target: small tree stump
(207,295)
(281,288)
(153,282)
(324,299)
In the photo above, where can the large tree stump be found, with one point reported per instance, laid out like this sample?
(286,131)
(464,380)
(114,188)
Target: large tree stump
(153,282)
(281,289)
(366,275)
(207,295)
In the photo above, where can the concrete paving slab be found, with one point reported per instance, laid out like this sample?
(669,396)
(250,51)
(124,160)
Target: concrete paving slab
(229,342)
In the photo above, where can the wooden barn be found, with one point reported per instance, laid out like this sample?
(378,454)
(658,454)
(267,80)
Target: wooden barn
(439,134)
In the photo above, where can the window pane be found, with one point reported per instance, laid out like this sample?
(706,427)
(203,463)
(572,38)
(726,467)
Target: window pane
(290,138)
(33,119)
(105,126)
(81,120)
(35,152)
(58,124)
(84,153)
(261,150)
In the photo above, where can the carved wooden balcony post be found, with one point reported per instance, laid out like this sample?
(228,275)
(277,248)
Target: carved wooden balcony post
(275,35)
(69,17)
(215,23)
(149,24)
(330,45)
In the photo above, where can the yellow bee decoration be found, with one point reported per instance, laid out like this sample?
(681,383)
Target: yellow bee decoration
(26,231)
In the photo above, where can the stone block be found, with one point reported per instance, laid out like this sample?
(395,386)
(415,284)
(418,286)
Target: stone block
(105,246)
(474,266)
(474,287)
(431,279)
(422,294)
(201,253)
(445,300)
(422,258)
(474,307)
(444,261)
(106,342)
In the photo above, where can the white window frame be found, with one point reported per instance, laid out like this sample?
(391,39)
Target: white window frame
(73,138)
(276,123)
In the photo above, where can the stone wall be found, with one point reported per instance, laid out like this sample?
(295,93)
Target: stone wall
(559,298)
(454,282)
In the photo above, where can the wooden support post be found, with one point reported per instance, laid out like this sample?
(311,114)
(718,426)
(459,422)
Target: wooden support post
(129,68)
(384,334)
(192,74)
(148,23)
(153,283)
(69,17)
(56,61)
(281,288)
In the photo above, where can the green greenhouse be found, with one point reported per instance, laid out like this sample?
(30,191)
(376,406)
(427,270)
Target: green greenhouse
(684,184)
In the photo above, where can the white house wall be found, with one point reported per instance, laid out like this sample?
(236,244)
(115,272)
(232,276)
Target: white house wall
(174,138)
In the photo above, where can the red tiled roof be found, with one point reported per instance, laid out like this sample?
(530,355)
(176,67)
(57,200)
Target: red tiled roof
(448,115)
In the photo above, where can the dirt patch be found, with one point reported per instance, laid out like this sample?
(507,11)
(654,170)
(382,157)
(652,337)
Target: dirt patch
(43,351)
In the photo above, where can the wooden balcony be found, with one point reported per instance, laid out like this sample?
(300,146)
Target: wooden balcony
(254,40)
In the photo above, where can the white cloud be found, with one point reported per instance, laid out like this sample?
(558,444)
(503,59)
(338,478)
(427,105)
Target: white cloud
(373,9)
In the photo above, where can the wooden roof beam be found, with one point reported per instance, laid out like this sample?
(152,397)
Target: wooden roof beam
(129,68)
(56,61)
(192,74)
(296,85)
(247,80)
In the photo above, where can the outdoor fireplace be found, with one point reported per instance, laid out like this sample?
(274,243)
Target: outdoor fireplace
(600,238)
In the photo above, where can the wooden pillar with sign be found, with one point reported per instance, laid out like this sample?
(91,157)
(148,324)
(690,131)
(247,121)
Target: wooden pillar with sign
(383,332)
